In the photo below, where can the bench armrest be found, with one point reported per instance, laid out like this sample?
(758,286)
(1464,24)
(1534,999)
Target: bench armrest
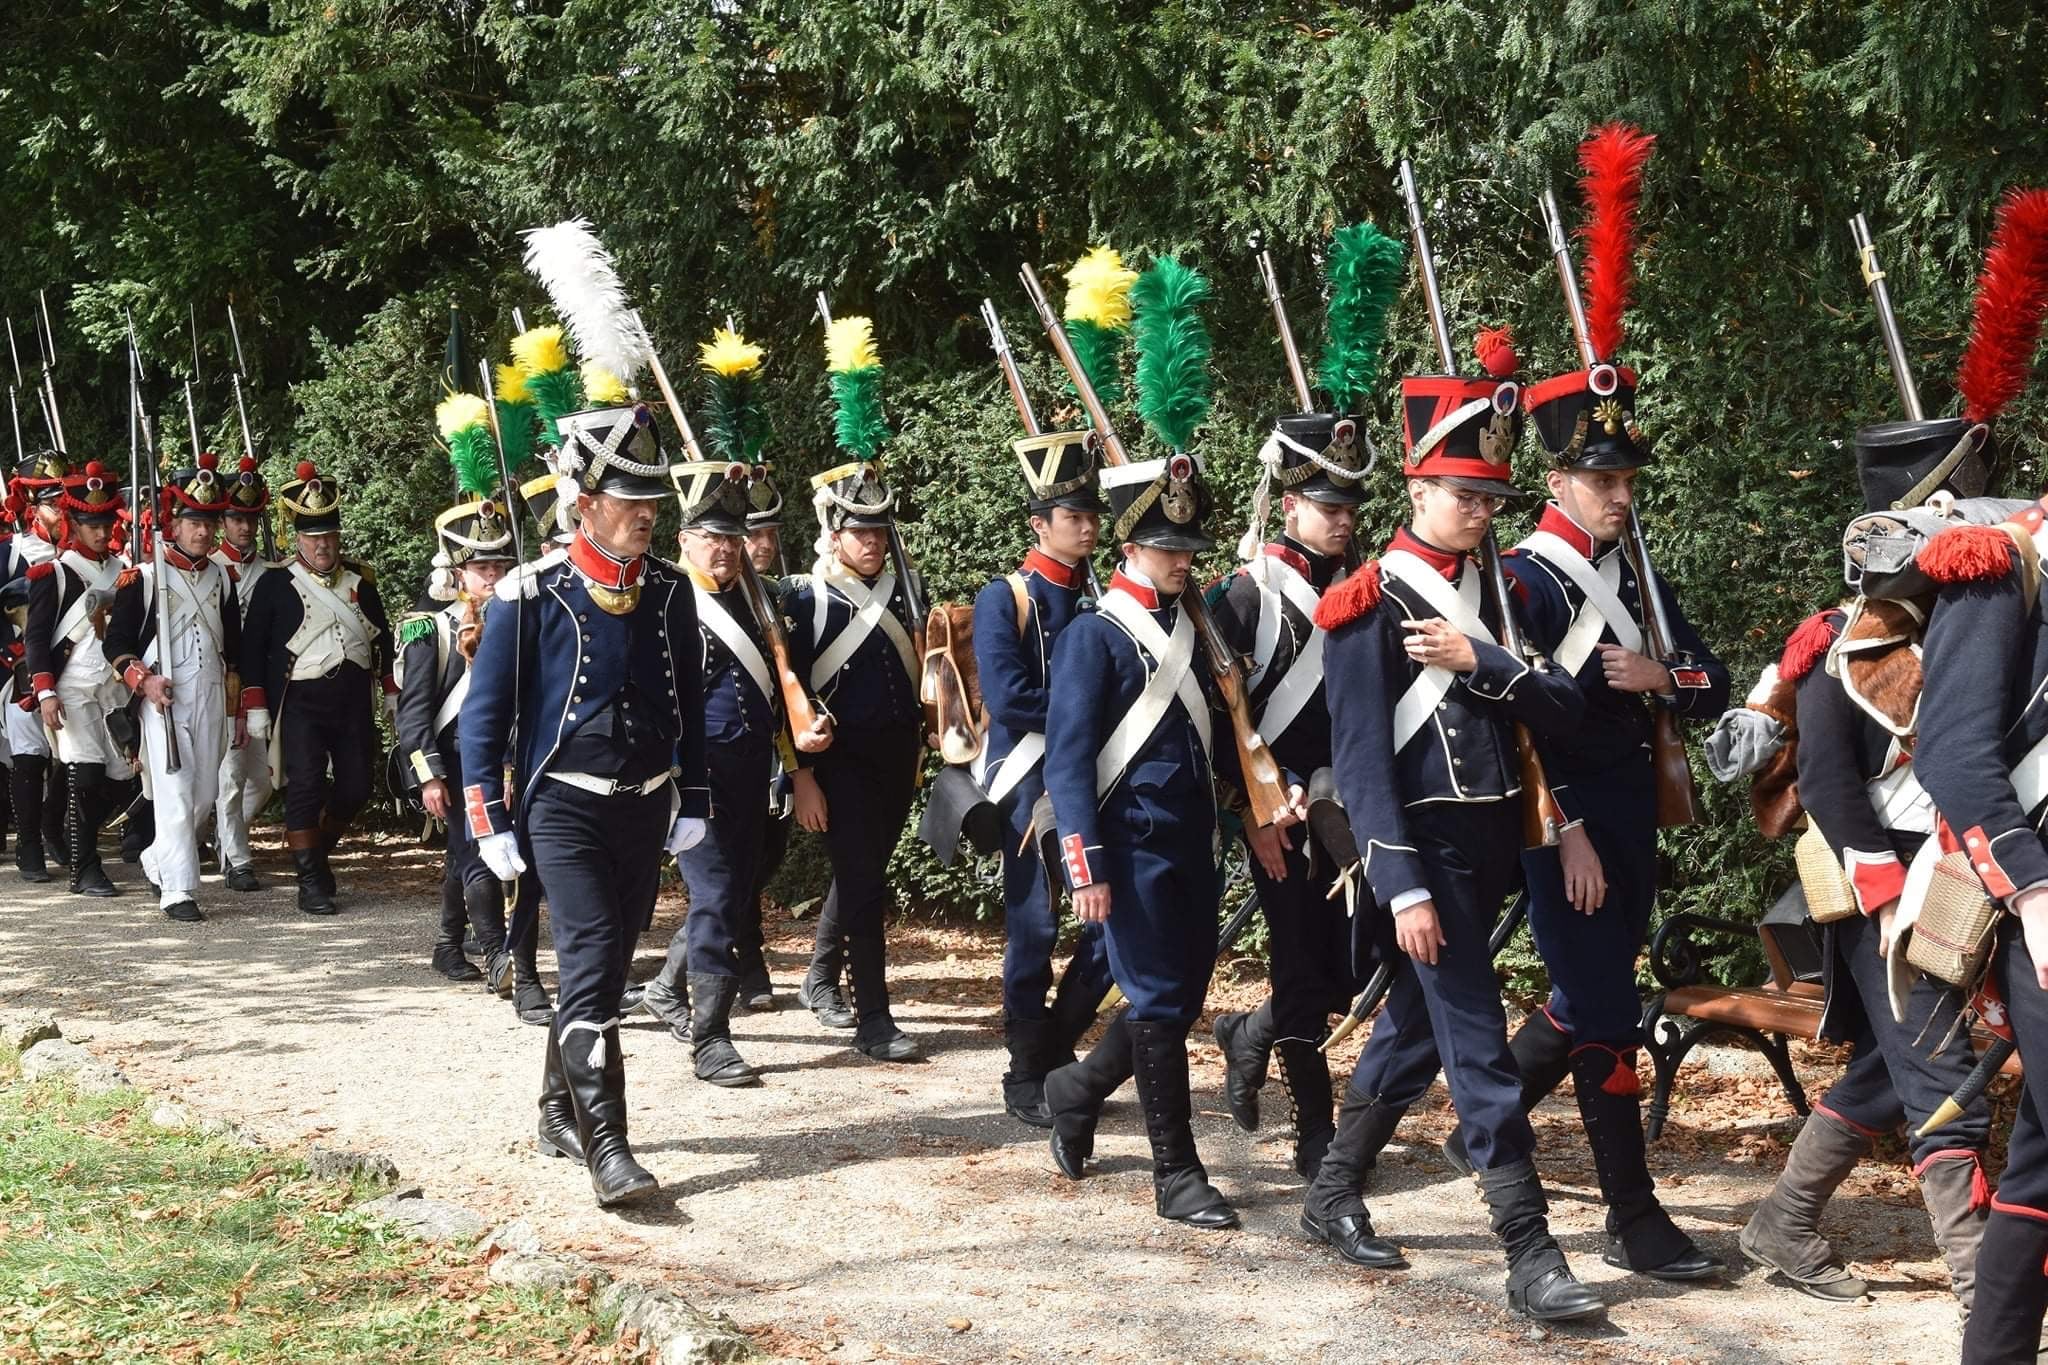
(1675,959)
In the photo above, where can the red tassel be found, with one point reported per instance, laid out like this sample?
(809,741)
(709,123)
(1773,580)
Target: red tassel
(2012,298)
(1808,642)
(1623,1080)
(1967,554)
(1612,158)
(1352,598)
(1496,351)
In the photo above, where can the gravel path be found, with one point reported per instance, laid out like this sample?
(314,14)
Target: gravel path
(852,1211)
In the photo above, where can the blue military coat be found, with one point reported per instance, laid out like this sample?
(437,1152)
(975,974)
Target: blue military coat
(1015,665)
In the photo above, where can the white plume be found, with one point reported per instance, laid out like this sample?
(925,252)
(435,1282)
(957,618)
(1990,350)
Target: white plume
(576,270)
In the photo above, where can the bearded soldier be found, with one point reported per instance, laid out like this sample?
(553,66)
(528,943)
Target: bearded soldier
(36,494)
(317,648)
(244,787)
(175,644)
(586,680)
(73,683)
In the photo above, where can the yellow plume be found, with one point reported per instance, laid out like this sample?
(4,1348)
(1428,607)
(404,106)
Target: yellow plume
(1099,289)
(511,385)
(729,354)
(540,351)
(459,411)
(850,345)
(601,386)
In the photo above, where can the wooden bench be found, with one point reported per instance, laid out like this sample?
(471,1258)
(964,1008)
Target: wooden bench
(1690,1009)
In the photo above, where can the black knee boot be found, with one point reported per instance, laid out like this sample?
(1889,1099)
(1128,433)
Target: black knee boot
(1306,1074)
(1075,1004)
(820,992)
(307,861)
(1540,1284)
(1365,1125)
(138,831)
(1181,1190)
(529,997)
(1075,1093)
(1543,1054)
(667,996)
(1033,1052)
(711,1049)
(875,1032)
(6,806)
(597,1084)
(1640,1234)
(84,813)
(557,1135)
(27,780)
(56,801)
(1247,1044)
(2012,1292)
(448,958)
(483,914)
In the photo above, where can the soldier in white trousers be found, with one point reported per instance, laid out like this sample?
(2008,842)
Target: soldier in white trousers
(174,644)
(244,786)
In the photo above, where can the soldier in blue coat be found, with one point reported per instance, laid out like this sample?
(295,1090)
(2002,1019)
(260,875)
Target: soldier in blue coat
(1424,704)
(589,657)
(743,728)
(851,637)
(764,549)
(1591,895)
(1017,621)
(1266,610)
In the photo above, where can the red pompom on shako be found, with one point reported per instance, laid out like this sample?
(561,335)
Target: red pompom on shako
(1496,351)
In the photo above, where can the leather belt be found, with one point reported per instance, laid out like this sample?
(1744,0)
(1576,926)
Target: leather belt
(611,786)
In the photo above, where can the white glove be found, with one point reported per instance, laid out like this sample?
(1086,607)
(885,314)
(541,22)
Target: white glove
(259,723)
(685,834)
(500,853)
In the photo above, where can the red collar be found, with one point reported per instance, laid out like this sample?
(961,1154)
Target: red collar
(1559,523)
(1147,597)
(234,556)
(175,557)
(1289,555)
(1051,570)
(601,567)
(83,553)
(1443,561)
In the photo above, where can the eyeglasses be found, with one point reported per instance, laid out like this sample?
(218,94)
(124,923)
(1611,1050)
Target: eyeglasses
(1470,503)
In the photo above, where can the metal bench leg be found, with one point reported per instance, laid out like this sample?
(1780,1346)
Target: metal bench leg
(1779,1050)
(1666,1042)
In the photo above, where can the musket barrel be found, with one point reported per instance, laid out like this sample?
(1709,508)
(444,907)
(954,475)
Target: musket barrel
(1568,279)
(1008,361)
(1437,325)
(504,469)
(1112,445)
(668,396)
(1295,372)
(1887,320)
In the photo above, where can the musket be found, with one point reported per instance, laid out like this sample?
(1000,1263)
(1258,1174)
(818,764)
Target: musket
(191,410)
(1887,321)
(1678,796)
(46,341)
(1271,280)
(512,517)
(1005,357)
(159,599)
(1542,818)
(235,378)
(797,706)
(1264,787)
(14,395)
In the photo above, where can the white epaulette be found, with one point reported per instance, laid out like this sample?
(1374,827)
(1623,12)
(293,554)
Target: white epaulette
(524,581)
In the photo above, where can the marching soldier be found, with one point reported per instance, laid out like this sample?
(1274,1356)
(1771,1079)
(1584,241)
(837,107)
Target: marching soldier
(700,979)
(435,651)
(1424,701)
(586,681)
(37,793)
(245,768)
(73,684)
(1017,621)
(764,550)
(317,645)
(850,630)
(175,644)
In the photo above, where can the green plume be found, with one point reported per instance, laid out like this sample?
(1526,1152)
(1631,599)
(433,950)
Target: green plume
(515,423)
(1366,269)
(1173,351)
(475,459)
(735,427)
(555,395)
(859,425)
(1100,350)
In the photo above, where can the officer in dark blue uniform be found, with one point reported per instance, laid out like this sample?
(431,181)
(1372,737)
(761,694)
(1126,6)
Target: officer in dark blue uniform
(1859,786)
(764,549)
(1266,610)
(1129,729)
(1423,709)
(1591,895)
(590,655)
(851,637)
(1017,621)
(743,724)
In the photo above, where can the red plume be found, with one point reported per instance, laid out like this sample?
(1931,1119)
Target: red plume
(2012,295)
(1612,158)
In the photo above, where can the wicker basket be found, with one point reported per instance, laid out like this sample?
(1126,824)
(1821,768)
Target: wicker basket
(1828,894)
(1952,938)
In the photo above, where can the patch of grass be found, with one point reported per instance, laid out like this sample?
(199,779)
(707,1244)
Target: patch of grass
(121,1241)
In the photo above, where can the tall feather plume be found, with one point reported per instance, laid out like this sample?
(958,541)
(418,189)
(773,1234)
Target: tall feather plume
(1366,269)
(550,379)
(1611,158)
(576,270)
(1173,351)
(734,425)
(854,369)
(515,415)
(1098,318)
(464,421)
(2012,297)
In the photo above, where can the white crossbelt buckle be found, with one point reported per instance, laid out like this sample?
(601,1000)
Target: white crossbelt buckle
(611,786)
